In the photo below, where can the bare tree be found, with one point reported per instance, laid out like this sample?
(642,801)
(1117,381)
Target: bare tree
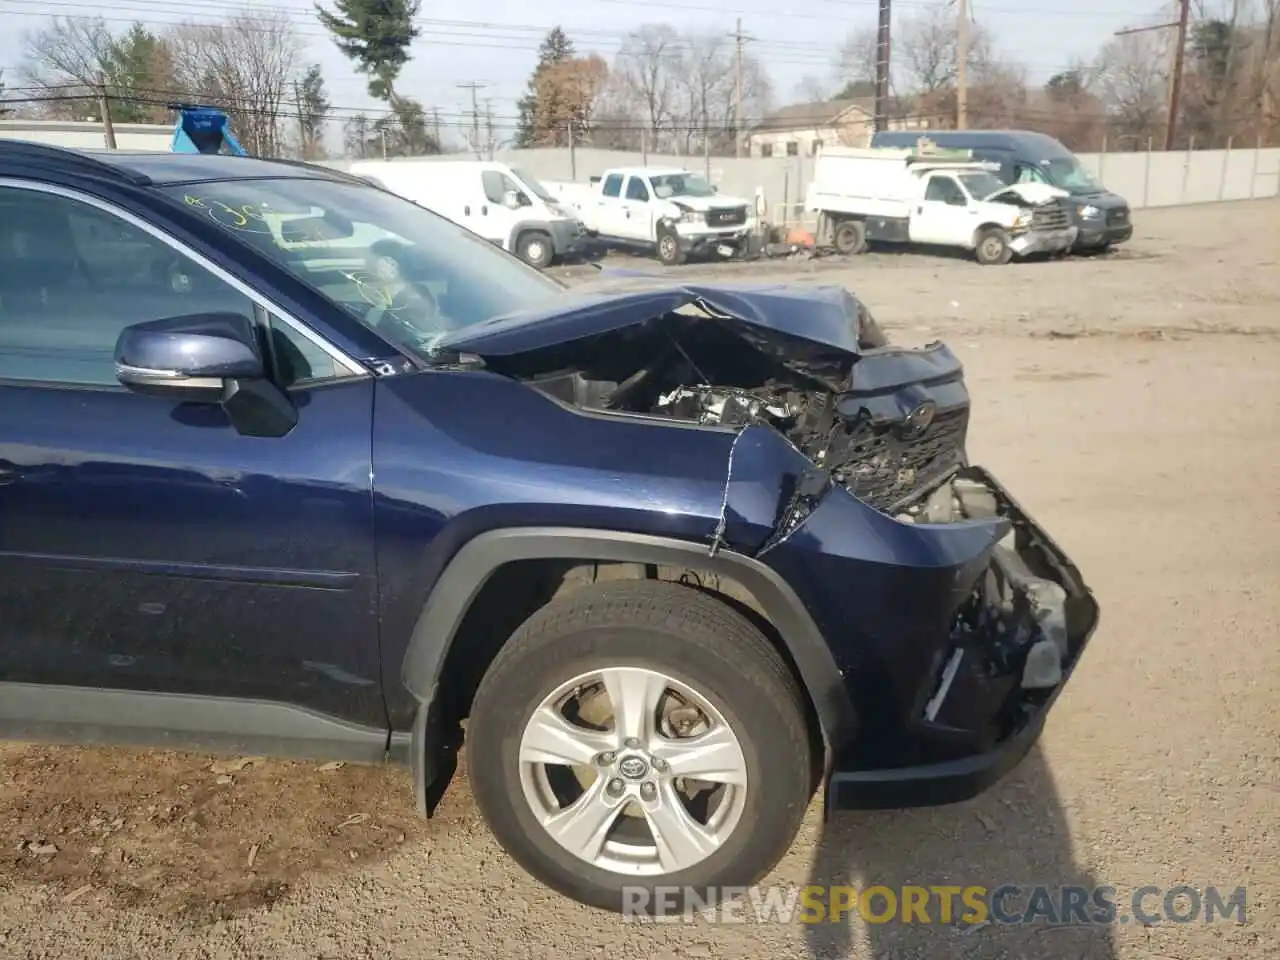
(70,57)
(856,61)
(67,52)
(244,65)
(810,89)
(647,66)
(1133,84)
(925,46)
(705,76)
(757,101)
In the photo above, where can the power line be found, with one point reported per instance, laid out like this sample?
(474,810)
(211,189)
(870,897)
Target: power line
(455,38)
(464,120)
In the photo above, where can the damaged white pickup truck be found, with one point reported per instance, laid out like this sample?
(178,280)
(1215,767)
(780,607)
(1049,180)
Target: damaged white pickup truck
(934,198)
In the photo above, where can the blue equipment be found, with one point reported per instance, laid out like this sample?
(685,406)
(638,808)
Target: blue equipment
(203,130)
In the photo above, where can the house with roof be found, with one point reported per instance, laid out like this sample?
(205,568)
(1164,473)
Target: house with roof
(802,129)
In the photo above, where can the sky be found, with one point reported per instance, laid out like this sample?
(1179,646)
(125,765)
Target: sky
(494,42)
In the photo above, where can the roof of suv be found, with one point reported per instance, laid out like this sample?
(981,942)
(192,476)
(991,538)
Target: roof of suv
(153,168)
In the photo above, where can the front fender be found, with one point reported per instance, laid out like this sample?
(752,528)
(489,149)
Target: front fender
(476,562)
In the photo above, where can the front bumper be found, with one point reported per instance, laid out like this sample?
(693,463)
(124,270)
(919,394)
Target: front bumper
(1009,654)
(567,237)
(1044,241)
(699,239)
(1096,234)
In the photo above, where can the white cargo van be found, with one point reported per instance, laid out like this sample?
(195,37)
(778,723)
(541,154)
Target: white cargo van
(936,198)
(501,203)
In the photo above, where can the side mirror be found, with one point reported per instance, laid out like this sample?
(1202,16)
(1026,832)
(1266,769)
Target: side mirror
(511,200)
(206,358)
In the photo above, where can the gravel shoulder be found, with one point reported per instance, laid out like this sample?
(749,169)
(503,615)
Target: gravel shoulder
(1132,404)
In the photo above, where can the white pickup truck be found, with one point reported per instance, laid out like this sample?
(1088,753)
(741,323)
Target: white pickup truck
(667,211)
(937,198)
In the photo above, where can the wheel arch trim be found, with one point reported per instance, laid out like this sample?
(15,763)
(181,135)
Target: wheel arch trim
(471,567)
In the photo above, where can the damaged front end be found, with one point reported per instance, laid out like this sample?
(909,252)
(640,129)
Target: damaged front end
(953,618)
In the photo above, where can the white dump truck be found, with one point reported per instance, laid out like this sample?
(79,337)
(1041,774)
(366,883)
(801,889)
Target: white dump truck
(933,197)
(667,211)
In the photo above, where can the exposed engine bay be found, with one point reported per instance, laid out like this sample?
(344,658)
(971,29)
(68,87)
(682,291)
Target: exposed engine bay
(886,423)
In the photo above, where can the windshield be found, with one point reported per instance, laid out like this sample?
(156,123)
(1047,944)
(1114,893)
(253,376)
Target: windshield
(1066,172)
(680,185)
(981,185)
(532,183)
(411,275)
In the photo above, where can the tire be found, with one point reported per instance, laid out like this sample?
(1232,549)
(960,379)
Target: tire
(851,237)
(536,249)
(669,252)
(992,248)
(639,629)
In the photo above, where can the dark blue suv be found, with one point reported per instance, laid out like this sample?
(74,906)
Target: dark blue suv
(290,465)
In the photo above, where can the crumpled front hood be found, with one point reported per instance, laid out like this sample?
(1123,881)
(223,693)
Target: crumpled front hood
(826,316)
(1031,192)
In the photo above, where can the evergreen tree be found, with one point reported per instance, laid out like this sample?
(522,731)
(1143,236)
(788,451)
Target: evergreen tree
(556,48)
(375,35)
(136,68)
(313,107)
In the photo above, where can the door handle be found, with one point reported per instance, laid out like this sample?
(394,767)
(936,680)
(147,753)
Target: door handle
(920,209)
(466,211)
(484,211)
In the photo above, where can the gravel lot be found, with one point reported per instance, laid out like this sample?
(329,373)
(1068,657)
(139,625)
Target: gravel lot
(1131,402)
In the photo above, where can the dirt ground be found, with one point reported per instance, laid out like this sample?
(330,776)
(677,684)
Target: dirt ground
(1131,402)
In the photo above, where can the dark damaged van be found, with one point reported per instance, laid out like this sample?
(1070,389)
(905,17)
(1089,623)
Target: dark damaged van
(1023,155)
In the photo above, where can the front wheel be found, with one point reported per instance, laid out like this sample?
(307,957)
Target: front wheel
(535,249)
(993,247)
(640,734)
(669,252)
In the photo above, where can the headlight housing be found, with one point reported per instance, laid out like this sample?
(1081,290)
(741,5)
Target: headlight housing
(1023,221)
(692,216)
(1090,212)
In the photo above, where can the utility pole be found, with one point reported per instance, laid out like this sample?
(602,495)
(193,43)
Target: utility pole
(882,67)
(435,127)
(962,62)
(1175,92)
(488,126)
(474,86)
(104,105)
(739,38)
(1175,81)
(303,146)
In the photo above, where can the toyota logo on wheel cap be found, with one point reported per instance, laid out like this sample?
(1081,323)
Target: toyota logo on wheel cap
(633,768)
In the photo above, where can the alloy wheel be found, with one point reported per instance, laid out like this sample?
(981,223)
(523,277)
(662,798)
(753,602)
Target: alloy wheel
(633,771)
